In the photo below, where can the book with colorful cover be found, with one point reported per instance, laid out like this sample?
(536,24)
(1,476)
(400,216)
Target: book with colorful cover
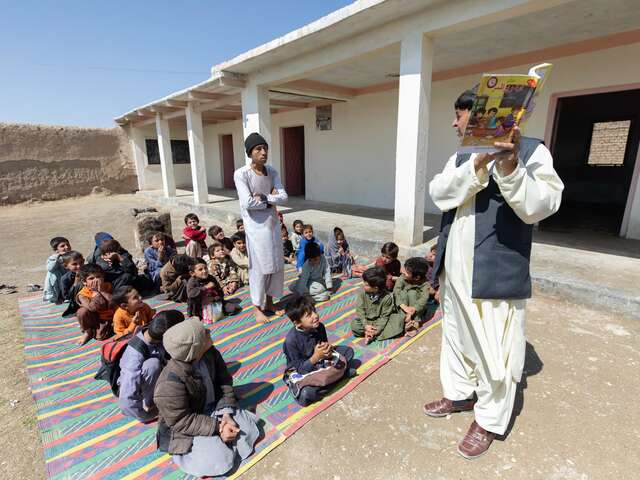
(502,102)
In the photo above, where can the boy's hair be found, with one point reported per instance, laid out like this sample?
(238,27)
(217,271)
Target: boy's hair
(481,110)
(390,249)
(89,269)
(71,256)
(55,241)
(213,246)
(191,216)
(110,246)
(151,236)
(376,277)
(121,295)
(308,226)
(181,263)
(239,223)
(239,236)
(299,307)
(493,109)
(297,222)
(162,322)
(465,100)
(311,250)
(215,230)
(196,261)
(283,227)
(418,267)
(433,248)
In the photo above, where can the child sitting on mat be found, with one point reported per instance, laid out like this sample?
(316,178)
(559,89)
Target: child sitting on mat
(240,257)
(307,237)
(223,269)
(156,255)
(296,235)
(72,262)
(55,270)
(411,293)
(132,312)
(434,283)
(338,254)
(388,260)
(141,364)
(287,247)
(315,278)
(377,317)
(194,236)
(309,354)
(95,314)
(205,296)
(174,276)
(217,235)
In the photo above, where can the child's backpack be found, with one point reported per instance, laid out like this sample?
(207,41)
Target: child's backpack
(111,353)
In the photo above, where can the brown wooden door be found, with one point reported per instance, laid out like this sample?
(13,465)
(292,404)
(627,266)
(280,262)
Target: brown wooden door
(228,165)
(293,151)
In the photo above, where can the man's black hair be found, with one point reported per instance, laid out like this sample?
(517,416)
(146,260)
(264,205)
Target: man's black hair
(299,307)
(418,267)
(162,322)
(311,250)
(376,277)
(465,100)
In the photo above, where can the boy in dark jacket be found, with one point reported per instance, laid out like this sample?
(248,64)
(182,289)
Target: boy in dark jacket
(307,349)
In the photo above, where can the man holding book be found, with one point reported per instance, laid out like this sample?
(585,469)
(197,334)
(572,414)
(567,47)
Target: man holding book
(490,202)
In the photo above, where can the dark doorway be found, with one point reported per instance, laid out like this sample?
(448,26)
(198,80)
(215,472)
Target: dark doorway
(594,146)
(228,165)
(293,159)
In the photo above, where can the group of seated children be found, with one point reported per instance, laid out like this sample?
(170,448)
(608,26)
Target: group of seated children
(394,301)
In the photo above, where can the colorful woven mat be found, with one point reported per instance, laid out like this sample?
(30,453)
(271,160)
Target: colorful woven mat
(86,437)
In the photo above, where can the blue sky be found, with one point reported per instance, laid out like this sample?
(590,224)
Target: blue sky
(82,63)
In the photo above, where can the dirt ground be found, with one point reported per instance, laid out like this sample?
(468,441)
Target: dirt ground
(576,417)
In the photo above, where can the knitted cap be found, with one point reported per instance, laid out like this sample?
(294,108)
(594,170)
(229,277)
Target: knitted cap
(186,340)
(253,140)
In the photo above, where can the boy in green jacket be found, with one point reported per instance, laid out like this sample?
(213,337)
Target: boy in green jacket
(411,293)
(377,315)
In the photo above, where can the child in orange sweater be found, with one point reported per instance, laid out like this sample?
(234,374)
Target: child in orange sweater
(132,312)
(95,314)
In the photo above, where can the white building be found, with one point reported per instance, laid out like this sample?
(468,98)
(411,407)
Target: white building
(387,72)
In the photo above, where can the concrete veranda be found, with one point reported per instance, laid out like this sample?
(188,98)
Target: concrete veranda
(596,269)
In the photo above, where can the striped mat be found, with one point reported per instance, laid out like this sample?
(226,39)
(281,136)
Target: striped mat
(86,437)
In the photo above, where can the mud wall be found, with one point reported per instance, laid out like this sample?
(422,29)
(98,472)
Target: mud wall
(43,162)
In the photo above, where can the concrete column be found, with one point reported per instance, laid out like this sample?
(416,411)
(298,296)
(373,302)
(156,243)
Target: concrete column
(256,112)
(139,153)
(416,60)
(196,153)
(166,156)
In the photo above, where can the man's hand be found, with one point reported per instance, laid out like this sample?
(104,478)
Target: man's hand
(507,158)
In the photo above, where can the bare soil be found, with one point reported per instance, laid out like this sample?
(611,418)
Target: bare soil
(576,417)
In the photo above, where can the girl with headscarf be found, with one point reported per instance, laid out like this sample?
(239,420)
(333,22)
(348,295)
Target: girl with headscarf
(200,421)
(339,257)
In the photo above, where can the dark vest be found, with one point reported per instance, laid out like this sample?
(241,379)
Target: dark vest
(502,246)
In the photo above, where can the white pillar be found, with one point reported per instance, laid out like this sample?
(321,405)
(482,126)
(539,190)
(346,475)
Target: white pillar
(139,152)
(196,154)
(256,112)
(166,156)
(416,61)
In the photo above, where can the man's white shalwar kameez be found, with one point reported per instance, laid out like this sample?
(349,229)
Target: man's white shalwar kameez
(262,230)
(483,341)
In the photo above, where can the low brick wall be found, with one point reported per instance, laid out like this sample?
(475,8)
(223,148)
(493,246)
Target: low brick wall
(42,162)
